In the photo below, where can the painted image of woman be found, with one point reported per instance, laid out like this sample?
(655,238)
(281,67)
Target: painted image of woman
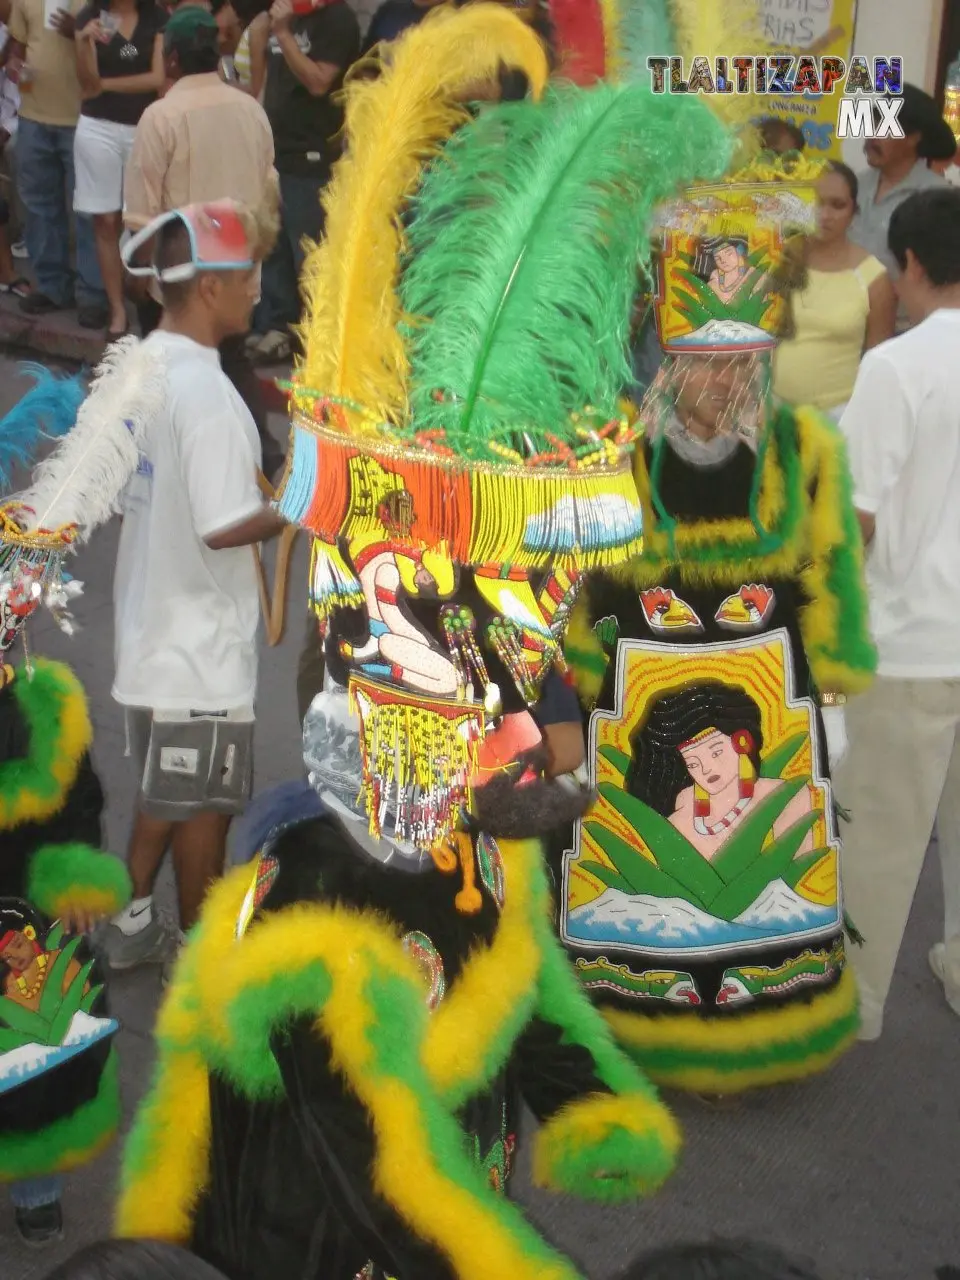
(25,963)
(722,262)
(696,761)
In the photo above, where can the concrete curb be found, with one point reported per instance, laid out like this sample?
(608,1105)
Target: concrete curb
(58,337)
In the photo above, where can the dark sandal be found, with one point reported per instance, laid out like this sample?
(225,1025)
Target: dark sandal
(19,287)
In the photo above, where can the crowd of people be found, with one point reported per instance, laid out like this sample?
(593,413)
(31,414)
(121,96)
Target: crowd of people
(123,109)
(642,661)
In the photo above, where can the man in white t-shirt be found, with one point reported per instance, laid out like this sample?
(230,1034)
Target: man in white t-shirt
(902,773)
(185,591)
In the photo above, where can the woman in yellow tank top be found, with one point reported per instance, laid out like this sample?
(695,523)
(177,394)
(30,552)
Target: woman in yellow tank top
(847,305)
(250,58)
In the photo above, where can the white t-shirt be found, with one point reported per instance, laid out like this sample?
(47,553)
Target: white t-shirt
(903,431)
(186,617)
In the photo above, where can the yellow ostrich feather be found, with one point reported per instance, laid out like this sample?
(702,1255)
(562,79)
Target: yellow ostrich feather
(611,11)
(717,28)
(394,124)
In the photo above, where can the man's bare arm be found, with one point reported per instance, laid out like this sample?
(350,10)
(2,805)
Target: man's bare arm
(263,526)
(318,78)
(868,526)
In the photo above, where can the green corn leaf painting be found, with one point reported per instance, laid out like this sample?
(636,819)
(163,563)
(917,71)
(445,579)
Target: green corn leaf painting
(674,853)
(26,1022)
(747,887)
(91,998)
(640,873)
(744,845)
(72,1000)
(619,759)
(53,987)
(610,878)
(774,762)
(10,1039)
(799,867)
(54,937)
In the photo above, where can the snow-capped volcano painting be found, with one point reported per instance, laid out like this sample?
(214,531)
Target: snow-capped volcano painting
(28,1061)
(649,923)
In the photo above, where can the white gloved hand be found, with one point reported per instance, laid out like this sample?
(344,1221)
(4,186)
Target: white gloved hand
(835,728)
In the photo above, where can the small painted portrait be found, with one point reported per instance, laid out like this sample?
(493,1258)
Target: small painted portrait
(722,262)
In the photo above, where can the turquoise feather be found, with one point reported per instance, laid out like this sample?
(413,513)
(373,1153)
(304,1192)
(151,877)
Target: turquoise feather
(525,245)
(46,412)
(645,31)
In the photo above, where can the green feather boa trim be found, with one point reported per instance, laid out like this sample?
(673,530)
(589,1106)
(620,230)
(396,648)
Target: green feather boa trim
(71,1141)
(33,787)
(61,876)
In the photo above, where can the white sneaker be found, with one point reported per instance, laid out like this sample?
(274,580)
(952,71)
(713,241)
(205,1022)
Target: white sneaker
(152,945)
(937,958)
(871,1029)
(19,249)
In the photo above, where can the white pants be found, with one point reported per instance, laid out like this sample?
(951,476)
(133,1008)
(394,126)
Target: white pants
(902,775)
(101,150)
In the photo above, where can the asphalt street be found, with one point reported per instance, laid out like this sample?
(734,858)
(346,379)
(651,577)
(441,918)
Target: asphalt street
(857,1170)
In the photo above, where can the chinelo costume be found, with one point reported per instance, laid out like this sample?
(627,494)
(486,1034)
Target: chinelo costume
(700,895)
(59,1098)
(354,1020)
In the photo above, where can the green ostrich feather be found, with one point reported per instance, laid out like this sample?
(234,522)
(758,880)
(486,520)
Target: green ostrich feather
(525,246)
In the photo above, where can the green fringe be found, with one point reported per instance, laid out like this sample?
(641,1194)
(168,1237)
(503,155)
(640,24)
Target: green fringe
(636,1162)
(738,553)
(57,869)
(564,1003)
(853,643)
(394,1005)
(71,1141)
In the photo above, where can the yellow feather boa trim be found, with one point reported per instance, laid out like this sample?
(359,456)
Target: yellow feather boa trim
(159,1200)
(699,1044)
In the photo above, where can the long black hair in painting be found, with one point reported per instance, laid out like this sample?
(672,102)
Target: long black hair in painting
(658,773)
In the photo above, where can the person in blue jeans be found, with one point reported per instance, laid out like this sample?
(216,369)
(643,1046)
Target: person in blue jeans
(307,58)
(43,61)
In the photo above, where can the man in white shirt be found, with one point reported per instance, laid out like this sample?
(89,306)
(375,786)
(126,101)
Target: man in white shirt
(185,590)
(902,773)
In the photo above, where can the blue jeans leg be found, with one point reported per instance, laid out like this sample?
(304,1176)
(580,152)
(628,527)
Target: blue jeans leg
(34,1192)
(301,216)
(42,178)
(89,283)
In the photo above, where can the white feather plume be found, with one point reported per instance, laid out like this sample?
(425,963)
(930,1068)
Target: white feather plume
(81,481)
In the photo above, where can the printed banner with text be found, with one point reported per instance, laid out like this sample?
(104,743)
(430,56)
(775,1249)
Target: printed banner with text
(823,28)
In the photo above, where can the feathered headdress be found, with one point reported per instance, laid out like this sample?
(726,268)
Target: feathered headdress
(397,121)
(456,419)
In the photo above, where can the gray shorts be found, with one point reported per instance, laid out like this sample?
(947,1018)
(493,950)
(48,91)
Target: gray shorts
(198,762)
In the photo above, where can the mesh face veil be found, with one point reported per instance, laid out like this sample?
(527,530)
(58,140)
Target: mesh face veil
(730,254)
